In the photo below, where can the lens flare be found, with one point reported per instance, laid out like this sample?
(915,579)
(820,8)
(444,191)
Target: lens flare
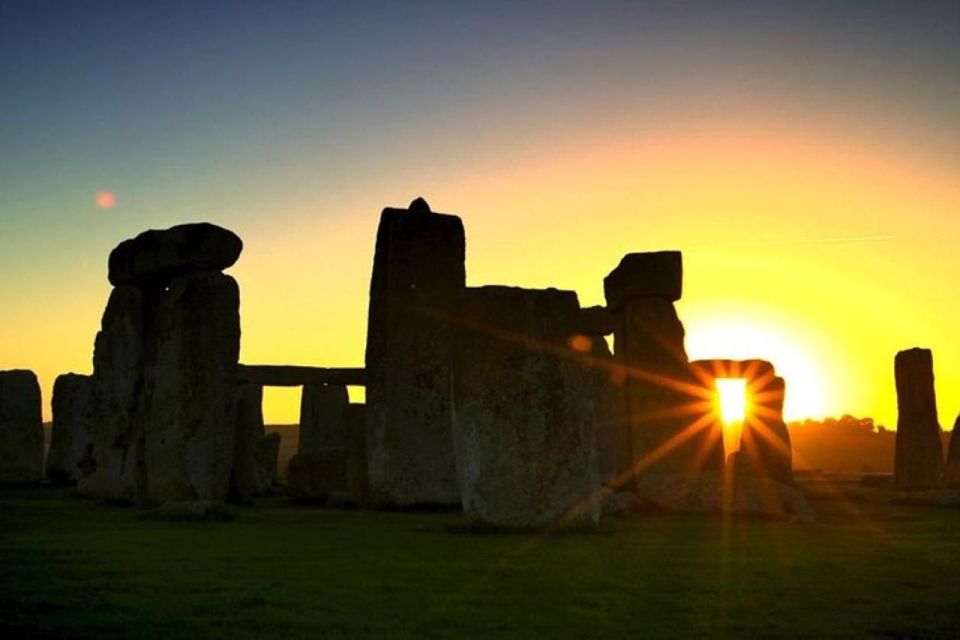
(105,199)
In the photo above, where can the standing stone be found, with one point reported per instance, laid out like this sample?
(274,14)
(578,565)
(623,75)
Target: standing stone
(187,405)
(118,357)
(418,276)
(337,471)
(21,428)
(614,455)
(668,433)
(267,460)
(357,474)
(918,456)
(951,474)
(323,418)
(246,477)
(523,419)
(765,447)
(71,444)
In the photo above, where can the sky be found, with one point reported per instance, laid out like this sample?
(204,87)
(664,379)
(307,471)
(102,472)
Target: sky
(804,157)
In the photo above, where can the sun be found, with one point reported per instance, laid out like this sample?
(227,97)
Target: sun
(732,399)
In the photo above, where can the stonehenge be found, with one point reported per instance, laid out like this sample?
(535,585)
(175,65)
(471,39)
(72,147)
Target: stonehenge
(331,460)
(918,453)
(504,402)
(254,465)
(165,364)
(21,428)
(951,473)
(765,442)
(667,431)
(418,277)
(523,427)
(765,448)
(71,446)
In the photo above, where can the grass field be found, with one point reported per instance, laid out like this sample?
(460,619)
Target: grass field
(70,568)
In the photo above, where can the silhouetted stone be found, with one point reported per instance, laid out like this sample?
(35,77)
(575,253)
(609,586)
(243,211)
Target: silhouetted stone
(645,275)
(323,418)
(157,256)
(21,428)
(951,474)
(918,457)
(321,475)
(334,474)
(187,404)
(268,460)
(246,476)
(524,425)
(614,453)
(669,431)
(118,359)
(71,444)
(418,276)
(765,447)
(357,474)
(596,321)
(279,375)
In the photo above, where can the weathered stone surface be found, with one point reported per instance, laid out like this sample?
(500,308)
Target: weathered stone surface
(951,473)
(524,425)
(418,276)
(644,275)
(267,460)
(118,359)
(748,496)
(71,443)
(321,475)
(614,453)
(187,404)
(918,457)
(157,256)
(21,428)
(765,447)
(246,476)
(323,420)
(669,429)
(357,474)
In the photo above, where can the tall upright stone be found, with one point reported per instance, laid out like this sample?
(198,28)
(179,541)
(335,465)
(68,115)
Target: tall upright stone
(524,419)
(614,454)
(71,444)
(667,434)
(187,408)
(323,420)
(765,447)
(418,277)
(918,456)
(21,428)
(951,473)
(118,356)
(247,477)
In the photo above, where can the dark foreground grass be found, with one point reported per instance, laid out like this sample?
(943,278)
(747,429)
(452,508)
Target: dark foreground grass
(76,569)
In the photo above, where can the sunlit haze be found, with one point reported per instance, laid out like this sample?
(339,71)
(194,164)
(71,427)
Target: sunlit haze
(803,158)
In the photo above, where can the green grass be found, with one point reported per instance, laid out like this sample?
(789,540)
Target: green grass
(70,568)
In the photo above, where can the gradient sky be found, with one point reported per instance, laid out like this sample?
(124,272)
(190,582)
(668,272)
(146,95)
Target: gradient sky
(804,156)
